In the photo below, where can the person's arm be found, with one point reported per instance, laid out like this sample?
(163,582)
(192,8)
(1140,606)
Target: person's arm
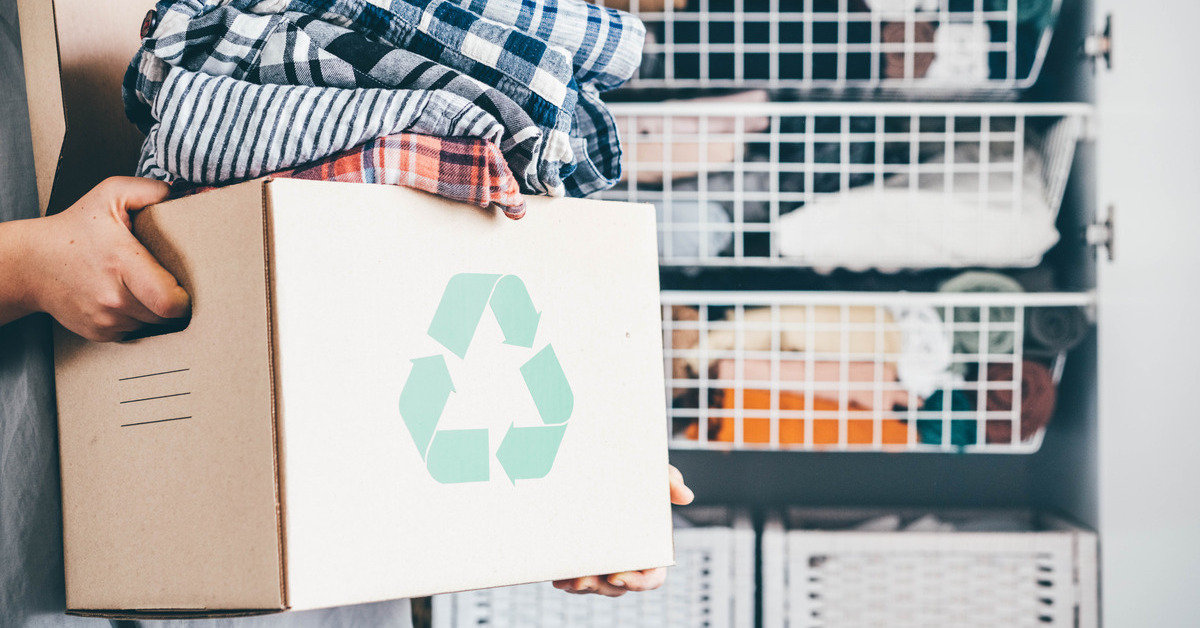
(85,268)
(618,584)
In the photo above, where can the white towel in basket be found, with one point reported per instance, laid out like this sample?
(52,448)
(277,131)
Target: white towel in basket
(897,227)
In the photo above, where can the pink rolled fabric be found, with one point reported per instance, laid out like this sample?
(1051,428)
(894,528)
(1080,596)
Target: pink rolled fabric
(827,377)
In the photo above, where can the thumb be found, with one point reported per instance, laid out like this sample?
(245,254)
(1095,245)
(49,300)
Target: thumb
(681,495)
(131,194)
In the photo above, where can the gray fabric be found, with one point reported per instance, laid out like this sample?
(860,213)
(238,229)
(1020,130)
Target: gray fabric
(32,593)
(31,574)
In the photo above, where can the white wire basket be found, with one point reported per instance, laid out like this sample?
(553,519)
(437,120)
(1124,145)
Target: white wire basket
(859,569)
(888,186)
(966,372)
(929,47)
(711,586)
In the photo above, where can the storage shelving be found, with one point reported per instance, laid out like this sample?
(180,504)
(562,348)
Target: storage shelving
(712,584)
(862,186)
(927,569)
(862,371)
(923,47)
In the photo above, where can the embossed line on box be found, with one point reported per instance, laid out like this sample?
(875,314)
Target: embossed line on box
(168,392)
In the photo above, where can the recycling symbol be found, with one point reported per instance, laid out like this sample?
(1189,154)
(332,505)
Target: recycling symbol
(456,456)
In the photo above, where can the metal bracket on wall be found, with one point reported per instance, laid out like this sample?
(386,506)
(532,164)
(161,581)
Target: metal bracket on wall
(1100,234)
(1099,45)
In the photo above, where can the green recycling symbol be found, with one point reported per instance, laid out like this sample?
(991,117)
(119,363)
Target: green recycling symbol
(462,455)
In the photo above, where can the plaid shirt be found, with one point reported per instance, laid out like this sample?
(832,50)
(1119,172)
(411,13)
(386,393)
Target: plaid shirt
(606,43)
(294,48)
(535,76)
(461,169)
(216,129)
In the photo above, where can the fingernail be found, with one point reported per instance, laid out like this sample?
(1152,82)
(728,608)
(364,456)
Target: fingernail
(617,583)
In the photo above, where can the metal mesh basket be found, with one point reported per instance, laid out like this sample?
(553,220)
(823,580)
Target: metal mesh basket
(920,372)
(819,571)
(711,586)
(849,185)
(926,47)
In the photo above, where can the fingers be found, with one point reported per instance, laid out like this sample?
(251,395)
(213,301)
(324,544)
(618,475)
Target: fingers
(646,580)
(106,327)
(157,293)
(681,495)
(152,285)
(136,309)
(590,584)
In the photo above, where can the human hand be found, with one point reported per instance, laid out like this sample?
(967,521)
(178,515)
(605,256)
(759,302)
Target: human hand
(618,584)
(85,268)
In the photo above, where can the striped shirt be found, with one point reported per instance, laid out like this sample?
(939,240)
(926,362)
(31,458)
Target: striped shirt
(215,129)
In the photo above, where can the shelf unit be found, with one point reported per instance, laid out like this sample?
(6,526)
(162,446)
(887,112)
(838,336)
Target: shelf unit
(850,185)
(916,47)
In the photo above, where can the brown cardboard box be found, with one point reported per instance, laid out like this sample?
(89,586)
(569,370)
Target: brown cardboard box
(380,393)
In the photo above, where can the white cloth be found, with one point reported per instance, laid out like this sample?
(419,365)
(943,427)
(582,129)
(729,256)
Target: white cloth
(896,227)
(924,364)
(960,53)
(900,8)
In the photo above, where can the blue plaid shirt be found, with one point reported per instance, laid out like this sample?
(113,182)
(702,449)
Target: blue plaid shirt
(540,77)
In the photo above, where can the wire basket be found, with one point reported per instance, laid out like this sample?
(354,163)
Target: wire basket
(926,47)
(711,586)
(966,372)
(741,182)
(852,569)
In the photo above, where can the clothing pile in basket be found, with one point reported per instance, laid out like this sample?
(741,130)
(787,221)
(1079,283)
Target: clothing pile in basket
(476,100)
(831,193)
(887,369)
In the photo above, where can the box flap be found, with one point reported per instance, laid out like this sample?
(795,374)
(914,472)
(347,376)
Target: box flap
(75,54)
(170,489)
(47,121)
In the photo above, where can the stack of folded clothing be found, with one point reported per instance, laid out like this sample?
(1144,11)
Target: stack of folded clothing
(476,100)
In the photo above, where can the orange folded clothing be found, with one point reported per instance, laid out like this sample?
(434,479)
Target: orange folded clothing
(791,431)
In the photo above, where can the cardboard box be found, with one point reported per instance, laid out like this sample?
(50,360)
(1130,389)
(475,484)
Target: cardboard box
(380,393)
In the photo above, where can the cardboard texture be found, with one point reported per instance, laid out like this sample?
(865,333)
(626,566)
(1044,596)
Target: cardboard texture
(380,393)
(167,443)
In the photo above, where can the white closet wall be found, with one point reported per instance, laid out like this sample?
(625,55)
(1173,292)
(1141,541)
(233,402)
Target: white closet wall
(1149,294)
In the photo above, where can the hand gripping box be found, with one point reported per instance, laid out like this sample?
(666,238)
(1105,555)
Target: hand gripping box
(380,393)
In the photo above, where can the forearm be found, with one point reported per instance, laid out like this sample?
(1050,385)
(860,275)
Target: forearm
(16,298)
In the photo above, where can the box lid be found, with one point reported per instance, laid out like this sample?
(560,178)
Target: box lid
(75,54)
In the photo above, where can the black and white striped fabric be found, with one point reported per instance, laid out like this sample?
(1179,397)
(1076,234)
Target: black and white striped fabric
(216,129)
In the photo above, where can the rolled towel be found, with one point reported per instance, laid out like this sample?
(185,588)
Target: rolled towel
(827,379)
(928,353)
(698,143)
(683,339)
(1039,13)
(1038,396)
(1052,330)
(895,63)
(963,432)
(828,322)
(969,341)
